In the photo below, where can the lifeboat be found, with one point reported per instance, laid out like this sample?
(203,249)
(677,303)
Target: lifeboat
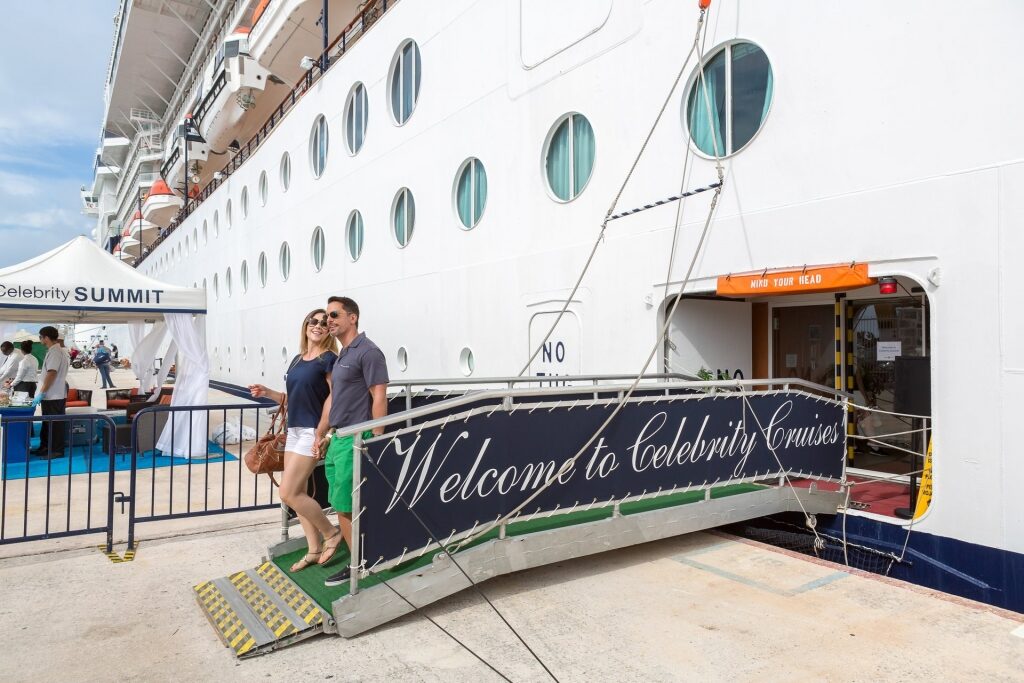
(130,245)
(142,230)
(285,31)
(185,143)
(161,204)
(231,85)
(123,255)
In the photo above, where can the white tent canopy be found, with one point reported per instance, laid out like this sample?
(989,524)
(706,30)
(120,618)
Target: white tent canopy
(79,282)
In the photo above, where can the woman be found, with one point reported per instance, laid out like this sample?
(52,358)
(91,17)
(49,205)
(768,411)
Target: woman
(28,371)
(307,388)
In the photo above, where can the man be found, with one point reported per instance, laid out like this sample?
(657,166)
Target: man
(11,360)
(359,384)
(102,360)
(52,394)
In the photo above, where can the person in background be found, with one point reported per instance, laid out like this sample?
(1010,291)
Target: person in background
(11,358)
(359,385)
(308,386)
(52,394)
(73,353)
(113,352)
(102,359)
(28,371)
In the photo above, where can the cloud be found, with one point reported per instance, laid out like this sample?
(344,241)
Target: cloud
(41,219)
(17,185)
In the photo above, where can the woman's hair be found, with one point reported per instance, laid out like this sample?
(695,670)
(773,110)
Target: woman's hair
(26,346)
(328,343)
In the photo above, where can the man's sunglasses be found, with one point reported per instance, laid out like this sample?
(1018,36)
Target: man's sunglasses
(314,322)
(335,314)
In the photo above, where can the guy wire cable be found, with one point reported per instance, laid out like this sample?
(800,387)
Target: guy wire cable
(473,583)
(664,329)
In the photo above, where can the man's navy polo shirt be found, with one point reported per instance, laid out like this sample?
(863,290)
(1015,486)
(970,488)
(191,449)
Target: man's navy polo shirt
(360,365)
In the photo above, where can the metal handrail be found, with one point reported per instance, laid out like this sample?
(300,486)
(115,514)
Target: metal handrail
(497,394)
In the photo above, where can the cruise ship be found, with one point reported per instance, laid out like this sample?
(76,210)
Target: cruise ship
(497,184)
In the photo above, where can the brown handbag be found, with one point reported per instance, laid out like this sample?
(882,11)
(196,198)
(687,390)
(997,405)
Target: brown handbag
(267,456)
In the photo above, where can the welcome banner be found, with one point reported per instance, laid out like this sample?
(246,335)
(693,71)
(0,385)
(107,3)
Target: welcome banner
(462,474)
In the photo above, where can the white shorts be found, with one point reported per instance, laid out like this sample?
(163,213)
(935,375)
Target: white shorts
(300,440)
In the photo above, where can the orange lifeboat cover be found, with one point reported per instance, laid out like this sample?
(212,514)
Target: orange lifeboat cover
(159,188)
(258,12)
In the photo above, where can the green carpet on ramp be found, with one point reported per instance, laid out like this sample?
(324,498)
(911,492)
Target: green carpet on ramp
(311,579)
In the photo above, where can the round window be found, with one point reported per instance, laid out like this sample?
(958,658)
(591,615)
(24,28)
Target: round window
(195,240)
(403,359)
(244,201)
(227,281)
(403,216)
(243,274)
(264,188)
(216,224)
(227,213)
(318,144)
(316,249)
(355,118)
(261,267)
(466,361)
(286,171)
(470,192)
(206,234)
(284,261)
(354,235)
(405,81)
(727,106)
(569,157)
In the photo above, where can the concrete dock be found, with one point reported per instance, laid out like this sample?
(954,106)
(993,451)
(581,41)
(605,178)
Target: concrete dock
(698,607)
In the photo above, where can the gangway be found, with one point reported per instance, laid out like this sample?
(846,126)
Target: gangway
(441,500)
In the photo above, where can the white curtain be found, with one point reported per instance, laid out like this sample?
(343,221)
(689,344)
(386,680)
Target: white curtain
(165,369)
(191,387)
(144,351)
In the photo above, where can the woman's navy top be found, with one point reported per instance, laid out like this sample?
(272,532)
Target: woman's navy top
(306,383)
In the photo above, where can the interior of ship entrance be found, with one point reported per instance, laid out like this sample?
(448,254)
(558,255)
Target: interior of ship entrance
(871,341)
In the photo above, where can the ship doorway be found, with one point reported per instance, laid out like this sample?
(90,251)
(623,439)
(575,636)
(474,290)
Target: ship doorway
(709,338)
(803,342)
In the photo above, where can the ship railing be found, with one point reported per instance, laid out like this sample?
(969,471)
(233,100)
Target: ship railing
(355,29)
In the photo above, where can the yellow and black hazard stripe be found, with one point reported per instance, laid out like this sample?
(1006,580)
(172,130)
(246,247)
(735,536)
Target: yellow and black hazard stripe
(116,558)
(844,362)
(224,619)
(307,610)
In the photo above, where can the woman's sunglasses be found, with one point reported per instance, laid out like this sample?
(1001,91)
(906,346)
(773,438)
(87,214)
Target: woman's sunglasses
(317,322)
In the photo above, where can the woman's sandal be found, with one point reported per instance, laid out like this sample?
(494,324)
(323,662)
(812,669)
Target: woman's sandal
(308,560)
(329,549)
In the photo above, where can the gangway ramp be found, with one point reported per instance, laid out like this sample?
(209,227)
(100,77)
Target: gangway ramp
(255,611)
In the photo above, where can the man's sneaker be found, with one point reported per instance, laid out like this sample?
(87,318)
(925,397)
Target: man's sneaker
(338,579)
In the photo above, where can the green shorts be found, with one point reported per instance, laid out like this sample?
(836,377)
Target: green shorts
(338,469)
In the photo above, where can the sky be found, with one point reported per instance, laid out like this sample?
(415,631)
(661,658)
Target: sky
(53,60)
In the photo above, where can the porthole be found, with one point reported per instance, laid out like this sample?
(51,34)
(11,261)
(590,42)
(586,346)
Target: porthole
(264,188)
(204,283)
(284,353)
(243,275)
(318,144)
(286,171)
(726,108)
(569,156)
(405,81)
(470,192)
(284,261)
(403,359)
(466,363)
(403,216)
(216,224)
(354,235)
(227,281)
(244,201)
(206,234)
(355,118)
(316,249)
(216,289)
(227,213)
(245,352)
(261,267)
(195,240)
(186,244)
